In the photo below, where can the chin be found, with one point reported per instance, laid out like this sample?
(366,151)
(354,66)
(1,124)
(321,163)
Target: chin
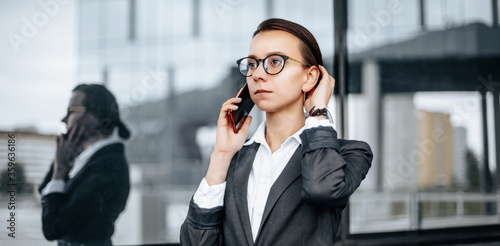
(266,107)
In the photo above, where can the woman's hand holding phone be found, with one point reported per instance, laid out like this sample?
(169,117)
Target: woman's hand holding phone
(227,143)
(319,96)
(68,146)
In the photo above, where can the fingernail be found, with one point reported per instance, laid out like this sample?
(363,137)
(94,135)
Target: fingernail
(235,106)
(238,98)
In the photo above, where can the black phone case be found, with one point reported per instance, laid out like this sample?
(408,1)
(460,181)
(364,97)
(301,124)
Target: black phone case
(244,107)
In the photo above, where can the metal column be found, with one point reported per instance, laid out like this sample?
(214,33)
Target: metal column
(341,77)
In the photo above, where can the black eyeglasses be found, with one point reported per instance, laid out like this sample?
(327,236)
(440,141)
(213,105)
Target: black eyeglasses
(72,109)
(273,64)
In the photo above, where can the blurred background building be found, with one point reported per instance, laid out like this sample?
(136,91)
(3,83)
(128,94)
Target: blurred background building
(435,166)
(422,89)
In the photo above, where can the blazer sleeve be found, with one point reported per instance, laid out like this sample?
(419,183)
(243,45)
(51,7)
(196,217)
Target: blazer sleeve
(332,171)
(47,178)
(202,226)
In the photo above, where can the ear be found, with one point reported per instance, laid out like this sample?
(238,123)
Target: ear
(311,79)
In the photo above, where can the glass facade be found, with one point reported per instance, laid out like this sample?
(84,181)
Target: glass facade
(171,64)
(416,95)
(427,72)
(422,85)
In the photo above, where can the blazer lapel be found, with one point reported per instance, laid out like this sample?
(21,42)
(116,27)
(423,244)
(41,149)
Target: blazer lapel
(93,160)
(72,181)
(242,170)
(81,172)
(291,172)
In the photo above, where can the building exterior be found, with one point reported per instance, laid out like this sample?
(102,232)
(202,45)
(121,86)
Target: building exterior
(436,160)
(34,151)
(459,159)
(399,134)
(169,64)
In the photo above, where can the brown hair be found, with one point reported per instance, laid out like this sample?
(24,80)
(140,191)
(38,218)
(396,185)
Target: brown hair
(309,48)
(99,101)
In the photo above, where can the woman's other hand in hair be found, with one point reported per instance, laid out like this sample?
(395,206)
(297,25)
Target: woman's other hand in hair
(320,96)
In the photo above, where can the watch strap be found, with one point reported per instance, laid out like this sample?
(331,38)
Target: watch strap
(320,111)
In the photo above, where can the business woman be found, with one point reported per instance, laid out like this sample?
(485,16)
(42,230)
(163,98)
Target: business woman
(289,183)
(87,186)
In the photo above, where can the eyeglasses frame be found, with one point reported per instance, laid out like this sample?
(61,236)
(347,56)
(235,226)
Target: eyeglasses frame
(285,58)
(73,109)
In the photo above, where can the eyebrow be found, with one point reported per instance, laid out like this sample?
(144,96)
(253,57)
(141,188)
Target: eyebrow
(269,53)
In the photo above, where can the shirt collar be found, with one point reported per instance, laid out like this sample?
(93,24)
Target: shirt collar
(260,135)
(83,157)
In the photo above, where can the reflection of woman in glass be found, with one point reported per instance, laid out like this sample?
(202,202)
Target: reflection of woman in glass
(288,184)
(88,184)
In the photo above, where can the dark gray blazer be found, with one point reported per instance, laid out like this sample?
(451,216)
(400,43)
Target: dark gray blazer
(304,205)
(85,214)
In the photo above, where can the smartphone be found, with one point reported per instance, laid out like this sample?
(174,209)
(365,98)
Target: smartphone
(89,123)
(244,107)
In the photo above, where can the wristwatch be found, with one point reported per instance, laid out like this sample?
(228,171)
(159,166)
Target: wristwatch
(320,111)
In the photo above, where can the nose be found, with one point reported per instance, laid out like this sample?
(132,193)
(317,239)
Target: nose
(65,119)
(260,73)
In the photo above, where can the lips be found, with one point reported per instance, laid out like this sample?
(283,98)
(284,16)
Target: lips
(260,91)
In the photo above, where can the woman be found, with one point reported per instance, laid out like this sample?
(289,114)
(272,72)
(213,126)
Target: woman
(87,186)
(288,184)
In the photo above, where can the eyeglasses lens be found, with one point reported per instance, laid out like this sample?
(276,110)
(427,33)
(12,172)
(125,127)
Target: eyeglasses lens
(272,65)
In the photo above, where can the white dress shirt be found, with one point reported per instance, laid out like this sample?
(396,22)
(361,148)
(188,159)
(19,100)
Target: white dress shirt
(266,168)
(58,185)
